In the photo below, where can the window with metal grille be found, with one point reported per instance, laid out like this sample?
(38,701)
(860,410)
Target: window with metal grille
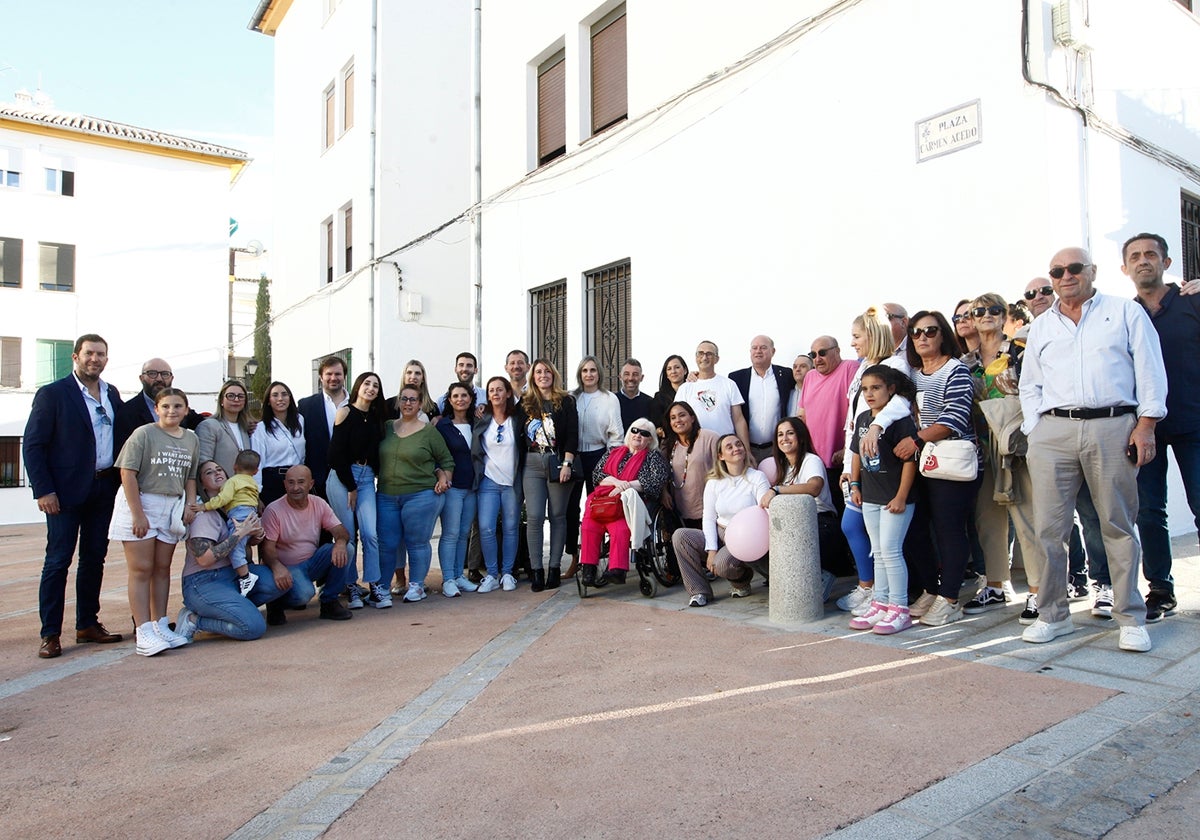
(56,267)
(548,323)
(1189,212)
(552,109)
(11,251)
(607,321)
(10,362)
(53,359)
(10,462)
(610,100)
(344,354)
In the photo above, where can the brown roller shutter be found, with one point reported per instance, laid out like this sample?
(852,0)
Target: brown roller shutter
(610,101)
(552,110)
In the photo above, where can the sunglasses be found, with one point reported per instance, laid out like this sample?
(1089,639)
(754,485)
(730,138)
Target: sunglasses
(823,352)
(928,332)
(410,399)
(958,318)
(1045,291)
(994,309)
(634,430)
(1071,268)
(500,433)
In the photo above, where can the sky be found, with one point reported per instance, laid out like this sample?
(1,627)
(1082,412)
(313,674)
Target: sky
(186,67)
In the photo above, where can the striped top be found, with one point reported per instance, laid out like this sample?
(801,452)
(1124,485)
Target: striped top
(946,396)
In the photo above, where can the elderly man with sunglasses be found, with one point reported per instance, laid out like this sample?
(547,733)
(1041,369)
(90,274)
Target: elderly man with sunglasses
(1093,388)
(823,404)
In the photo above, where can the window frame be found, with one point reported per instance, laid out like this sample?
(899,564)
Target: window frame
(348,97)
(609,62)
(58,285)
(549,301)
(329,125)
(11,474)
(8,262)
(606,288)
(57,356)
(10,361)
(550,102)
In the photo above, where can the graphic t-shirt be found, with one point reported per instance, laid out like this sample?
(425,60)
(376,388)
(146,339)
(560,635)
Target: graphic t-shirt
(163,463)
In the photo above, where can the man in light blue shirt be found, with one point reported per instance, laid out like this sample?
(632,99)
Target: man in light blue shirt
(1093,387)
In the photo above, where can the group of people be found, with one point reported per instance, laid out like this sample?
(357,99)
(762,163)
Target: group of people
(940,436)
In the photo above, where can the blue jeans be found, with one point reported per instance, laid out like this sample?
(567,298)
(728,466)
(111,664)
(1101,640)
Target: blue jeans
(860,544)
(1152,504)
(365,511)
(458,512)
(306,576)
(237,557)
(498,499)
(407,519)
(85,524)
(212,594)
(887,531)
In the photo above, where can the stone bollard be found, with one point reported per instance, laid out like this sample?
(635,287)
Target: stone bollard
(795,561)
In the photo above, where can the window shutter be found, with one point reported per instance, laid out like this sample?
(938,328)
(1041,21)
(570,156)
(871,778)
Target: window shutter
(552,111)
(609,97)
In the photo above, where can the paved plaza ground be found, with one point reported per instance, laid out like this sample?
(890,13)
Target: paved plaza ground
(522,715)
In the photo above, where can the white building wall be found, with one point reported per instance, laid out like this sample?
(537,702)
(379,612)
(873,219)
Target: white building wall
(423,174)
(785,197)
(151,270)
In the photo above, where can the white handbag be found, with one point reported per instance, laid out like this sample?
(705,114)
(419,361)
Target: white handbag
(950,460)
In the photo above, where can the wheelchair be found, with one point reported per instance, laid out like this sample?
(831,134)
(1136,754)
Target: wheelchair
(654,561)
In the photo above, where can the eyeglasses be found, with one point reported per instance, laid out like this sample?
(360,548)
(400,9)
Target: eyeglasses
(410,399)
(705,354)
(105,420)
(634,430)
(158,374)
(230,395)
(893,316)
(1072,268)
(994,309)
(823,352)
(1045,291)
(928,332)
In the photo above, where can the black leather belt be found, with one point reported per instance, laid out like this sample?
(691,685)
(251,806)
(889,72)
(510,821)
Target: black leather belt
(1092,413)
(105,473)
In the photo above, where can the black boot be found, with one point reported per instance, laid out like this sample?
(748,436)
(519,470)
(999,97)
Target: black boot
(275,614)
(552,577)
(589,573)
(615,575)
(538,576)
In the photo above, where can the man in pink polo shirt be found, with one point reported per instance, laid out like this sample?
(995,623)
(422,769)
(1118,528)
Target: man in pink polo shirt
(823,403)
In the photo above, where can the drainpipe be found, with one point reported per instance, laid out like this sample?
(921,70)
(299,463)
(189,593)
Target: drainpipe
(372,201)
(476,179)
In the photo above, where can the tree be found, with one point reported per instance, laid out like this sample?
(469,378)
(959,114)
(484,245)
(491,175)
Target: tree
(262,340)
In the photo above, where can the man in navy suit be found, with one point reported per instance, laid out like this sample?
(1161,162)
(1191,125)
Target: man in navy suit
(318,412)
(765,388)
(156,374)
(68,450)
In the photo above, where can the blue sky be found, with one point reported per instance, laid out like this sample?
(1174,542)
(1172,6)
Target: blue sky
(188,67)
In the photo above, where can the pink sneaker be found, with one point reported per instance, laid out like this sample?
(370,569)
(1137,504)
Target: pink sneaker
(870,618)
(897,619)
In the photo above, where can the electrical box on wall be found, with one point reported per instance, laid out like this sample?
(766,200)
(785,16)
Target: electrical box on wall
(1068,19)
(411,305)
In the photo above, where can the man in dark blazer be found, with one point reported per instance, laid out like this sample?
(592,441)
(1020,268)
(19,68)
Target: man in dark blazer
(69,454)
(156,374)
(318,412)
(765,388)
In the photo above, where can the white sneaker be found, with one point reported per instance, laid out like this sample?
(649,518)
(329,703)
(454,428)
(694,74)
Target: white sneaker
(921,606)
(1042,631)
(416,592)
(1103,603)
(186,624)
(450,588)
(464,584)
(508,583)
(1136,639)
(857,596)
(942,613)
(489,584)
(148,640)
(163,629)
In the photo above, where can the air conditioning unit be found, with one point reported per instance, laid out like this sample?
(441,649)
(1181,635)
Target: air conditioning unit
(1069,22)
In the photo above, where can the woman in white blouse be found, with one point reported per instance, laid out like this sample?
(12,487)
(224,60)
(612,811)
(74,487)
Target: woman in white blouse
(278,440)
(600,429)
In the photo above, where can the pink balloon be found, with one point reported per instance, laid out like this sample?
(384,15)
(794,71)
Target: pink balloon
(767,468)
(748,536)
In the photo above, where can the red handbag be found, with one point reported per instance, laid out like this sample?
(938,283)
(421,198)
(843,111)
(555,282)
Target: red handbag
(605,508)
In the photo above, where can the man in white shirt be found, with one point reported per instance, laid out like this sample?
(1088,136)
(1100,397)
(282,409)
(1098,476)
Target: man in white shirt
(1093,388)
(765,388)
(715,399)
(516,365)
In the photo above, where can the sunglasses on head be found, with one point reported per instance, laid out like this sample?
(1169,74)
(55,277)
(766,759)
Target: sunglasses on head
(994,309)
(1045,291)
(823,352)
(1073,268)
(928,332)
